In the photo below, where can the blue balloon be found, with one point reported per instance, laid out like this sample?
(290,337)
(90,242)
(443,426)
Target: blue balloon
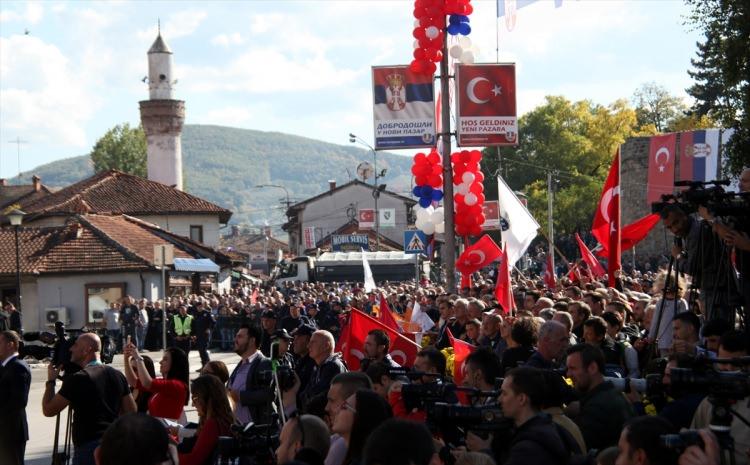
(437,195)
(427,191)
(417,191)
(458,19)
(453,29)
(464,29)
(425,202)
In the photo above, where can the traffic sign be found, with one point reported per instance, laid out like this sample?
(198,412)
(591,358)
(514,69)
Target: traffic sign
(415,242)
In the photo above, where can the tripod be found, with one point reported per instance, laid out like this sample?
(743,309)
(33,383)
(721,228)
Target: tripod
(62,457)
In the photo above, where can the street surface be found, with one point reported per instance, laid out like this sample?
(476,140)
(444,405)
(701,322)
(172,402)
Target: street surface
(42,429)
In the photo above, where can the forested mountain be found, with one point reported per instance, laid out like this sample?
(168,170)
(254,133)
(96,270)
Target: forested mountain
(222,165)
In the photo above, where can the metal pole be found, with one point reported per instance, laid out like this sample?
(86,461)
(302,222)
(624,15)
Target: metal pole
(551,237)
(416,268)
(449,248)
(377,194)
(18,271)
(164,298)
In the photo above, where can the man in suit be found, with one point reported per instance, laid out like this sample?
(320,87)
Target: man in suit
(252,394)
(15,381)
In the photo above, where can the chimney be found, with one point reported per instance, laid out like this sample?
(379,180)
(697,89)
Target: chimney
(3,182)
(37,181)
(235,230)
(267,231)
(332,184)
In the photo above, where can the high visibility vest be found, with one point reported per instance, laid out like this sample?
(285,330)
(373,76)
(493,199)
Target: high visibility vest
(182,327)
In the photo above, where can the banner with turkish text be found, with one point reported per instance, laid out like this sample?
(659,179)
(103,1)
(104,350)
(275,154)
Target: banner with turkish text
(403,108)
(661,157)
(486,96)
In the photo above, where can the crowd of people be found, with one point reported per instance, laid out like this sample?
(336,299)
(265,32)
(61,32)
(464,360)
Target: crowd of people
(565,370)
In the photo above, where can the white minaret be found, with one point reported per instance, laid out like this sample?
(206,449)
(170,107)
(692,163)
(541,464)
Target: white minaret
(162,118)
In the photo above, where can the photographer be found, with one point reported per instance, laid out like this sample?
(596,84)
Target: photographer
(253,399)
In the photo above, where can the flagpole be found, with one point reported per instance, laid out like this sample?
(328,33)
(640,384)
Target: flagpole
(550,227)
(449,248)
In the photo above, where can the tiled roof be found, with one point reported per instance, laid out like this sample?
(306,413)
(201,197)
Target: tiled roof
(253,244)
(115,192)
(93,243)
(354,182)
(22,195)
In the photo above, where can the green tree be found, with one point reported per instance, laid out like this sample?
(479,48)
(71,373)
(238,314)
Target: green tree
(574,140)
(656,107)
(721,70)
(122,148)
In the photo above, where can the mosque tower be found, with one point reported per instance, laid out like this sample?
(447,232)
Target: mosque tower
(162,118)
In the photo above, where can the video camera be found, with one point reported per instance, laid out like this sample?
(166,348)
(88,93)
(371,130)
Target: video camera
(254,442)
(56,346)
(487,417)
(709,194)
(651,385)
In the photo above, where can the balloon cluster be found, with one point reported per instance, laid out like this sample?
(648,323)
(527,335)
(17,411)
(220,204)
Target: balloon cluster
(468,192)
(430,220)
(464,51)
(428,32)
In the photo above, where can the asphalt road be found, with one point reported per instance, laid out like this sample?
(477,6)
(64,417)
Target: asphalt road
(42,429)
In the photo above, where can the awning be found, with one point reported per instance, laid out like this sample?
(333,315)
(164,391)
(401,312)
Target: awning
(196,265)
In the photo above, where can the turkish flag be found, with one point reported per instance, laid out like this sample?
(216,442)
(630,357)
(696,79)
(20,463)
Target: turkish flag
(590,259)
(461,350)
(661,157)
(606,227)
(503,287)
(549,272)
(633,233)
(386,317)
(366,218)
(574,273)
(487,90)
(466,281)
(352,341)
(477,256)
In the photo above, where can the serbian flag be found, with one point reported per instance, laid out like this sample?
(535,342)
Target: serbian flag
(699,155)
(503,288)
(477,256)
(385,316)
(661,157)
(549,272)
(633,233)
(461,350)
(352,341)
(590,259)
(606,227)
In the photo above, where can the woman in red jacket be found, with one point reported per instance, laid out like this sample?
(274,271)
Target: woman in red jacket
(170,392)
(215,419)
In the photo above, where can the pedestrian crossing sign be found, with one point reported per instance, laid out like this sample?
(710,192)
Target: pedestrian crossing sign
(415,242)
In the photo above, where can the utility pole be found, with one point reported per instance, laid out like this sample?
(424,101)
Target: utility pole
(550,228)
(18,143)
(449,249)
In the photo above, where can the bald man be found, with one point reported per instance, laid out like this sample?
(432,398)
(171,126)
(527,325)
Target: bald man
(97,393)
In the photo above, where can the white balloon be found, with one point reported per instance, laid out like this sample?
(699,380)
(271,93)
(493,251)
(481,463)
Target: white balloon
(464,41)
(432,32)
(440,228)
(475,48)
(416,23)
(428,229)
(463,189)
(468,177)
(436,217)
(420,223)
(456,51)
(467,57)
(471,199)
(423,213)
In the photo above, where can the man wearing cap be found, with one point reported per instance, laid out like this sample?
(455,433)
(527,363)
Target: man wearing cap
(304,366)
(295,318)
(268,329)
(282,337)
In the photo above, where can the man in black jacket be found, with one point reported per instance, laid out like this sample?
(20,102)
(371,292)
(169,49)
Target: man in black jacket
(327,364)
(252,394)
(536,438)
(15,380)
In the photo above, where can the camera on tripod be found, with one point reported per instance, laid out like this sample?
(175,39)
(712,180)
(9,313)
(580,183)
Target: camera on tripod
(56,346)
(709,194)
(254,442)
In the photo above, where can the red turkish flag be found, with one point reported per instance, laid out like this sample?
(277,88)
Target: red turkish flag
(352,341)
(466,281)
(503,287)
(606,227)
(461,350)
(574,273)
(486,104)
(549,273)
(633,233)
(477,256)
(366,218)
(590,259)
(386,317)
(661,157)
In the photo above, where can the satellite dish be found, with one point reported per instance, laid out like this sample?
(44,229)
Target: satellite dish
(365,171)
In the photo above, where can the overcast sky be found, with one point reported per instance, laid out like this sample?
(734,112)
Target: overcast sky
(297,67)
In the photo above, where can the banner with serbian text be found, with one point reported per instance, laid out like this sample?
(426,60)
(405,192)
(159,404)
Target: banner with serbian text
(699,155)
(661,156)
(487,105)
(403,108)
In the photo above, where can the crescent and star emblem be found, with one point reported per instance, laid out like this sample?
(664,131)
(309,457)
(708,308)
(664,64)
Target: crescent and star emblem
(609,194)
(662,151)
(401,355)
(470,90)
(479,253)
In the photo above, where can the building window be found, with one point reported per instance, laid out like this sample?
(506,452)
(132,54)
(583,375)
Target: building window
(196,233)
(99,297)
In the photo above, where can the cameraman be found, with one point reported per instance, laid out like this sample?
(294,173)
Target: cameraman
(702,259)
(482,369)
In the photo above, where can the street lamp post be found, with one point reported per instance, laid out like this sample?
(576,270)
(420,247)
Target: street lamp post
(376,193)
(16,217)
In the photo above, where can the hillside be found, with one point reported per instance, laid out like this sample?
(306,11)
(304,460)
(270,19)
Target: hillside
(221,164)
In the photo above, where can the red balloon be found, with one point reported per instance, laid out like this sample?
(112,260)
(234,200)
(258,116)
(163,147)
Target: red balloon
(425,43)
(436,181)
(434,11)
(419,33)
(473,167)
(420,180)
(417,67)
(477,188)
(469,9)
(437,170)
(433,157)
(476,230)
(455,157)
(480,199)
(419,53)
(465,156)
(479,176)
(458,198)
(461,230)
(437,56)
(420,158)
(415,170)
(475,156)
(431,67)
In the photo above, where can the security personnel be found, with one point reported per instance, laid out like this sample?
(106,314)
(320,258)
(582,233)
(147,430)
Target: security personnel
(203,323)
(182,327)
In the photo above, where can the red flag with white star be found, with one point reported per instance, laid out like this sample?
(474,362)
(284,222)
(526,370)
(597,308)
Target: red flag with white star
(606,227)
(503,289)
(478,255)
(661,157)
